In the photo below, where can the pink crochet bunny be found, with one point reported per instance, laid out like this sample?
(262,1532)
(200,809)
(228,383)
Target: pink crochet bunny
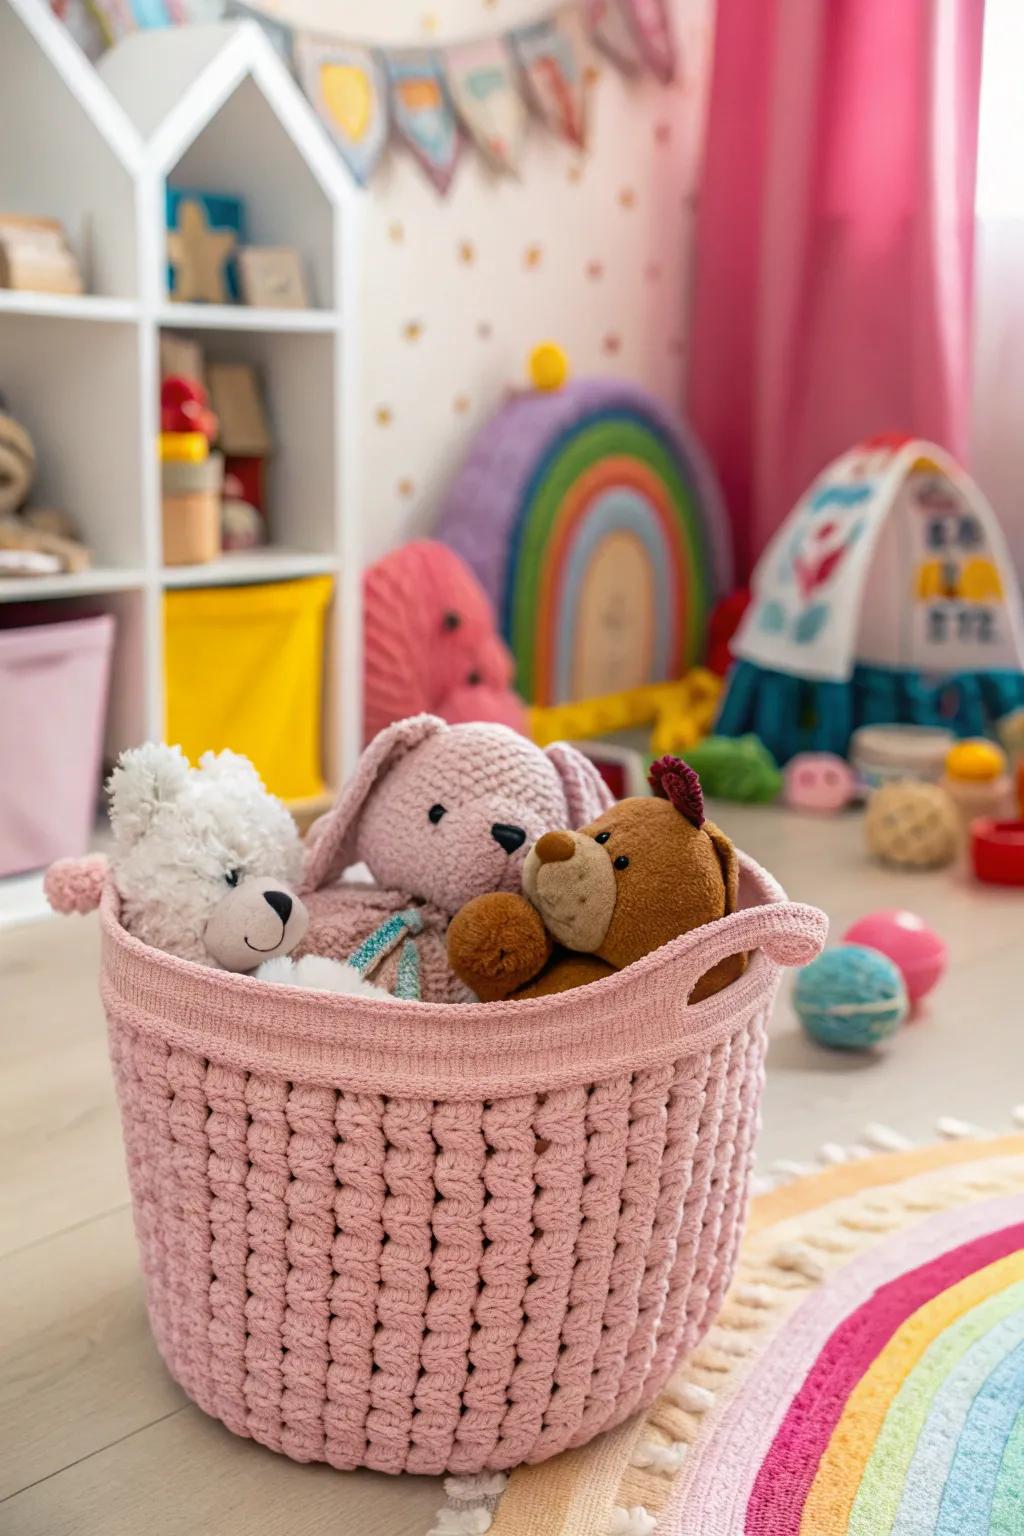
(438,814)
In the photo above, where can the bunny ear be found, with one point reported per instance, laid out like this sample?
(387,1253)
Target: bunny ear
(331,841)
(586,793)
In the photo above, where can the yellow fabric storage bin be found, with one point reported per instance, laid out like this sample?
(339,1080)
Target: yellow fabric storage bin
(244,668)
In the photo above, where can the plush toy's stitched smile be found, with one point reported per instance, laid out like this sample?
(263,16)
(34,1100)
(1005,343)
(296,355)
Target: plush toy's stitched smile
(265,949)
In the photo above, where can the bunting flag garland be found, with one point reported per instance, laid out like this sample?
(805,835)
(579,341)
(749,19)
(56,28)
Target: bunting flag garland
(429,95)
(611,31)
(422,112)
(653,32)
(347,89)
(279,35)
(548,53)
(486,99)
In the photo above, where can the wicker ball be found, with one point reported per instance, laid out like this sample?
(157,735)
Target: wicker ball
(913,826)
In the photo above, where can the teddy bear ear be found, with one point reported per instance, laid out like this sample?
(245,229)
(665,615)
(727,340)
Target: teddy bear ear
(228,765)
(331,841)
(145,778)
(730,864)
(586,793)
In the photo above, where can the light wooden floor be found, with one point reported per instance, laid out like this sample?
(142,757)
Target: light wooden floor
(95,1440)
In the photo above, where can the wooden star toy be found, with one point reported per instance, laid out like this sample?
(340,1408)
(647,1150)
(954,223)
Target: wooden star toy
(198,256)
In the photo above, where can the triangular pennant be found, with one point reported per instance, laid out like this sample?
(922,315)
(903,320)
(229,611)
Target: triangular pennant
(652,29)
(423,114)
(610,29)
(347,89)
(485,96)
(278,34)
(549,55)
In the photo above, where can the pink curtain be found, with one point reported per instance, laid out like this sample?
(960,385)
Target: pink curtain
(834,239)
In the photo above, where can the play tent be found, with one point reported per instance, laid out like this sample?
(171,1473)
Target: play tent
(887,595)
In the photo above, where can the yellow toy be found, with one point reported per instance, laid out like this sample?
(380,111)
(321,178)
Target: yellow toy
(978,781)
(681,714)
(183,448)
(548,366)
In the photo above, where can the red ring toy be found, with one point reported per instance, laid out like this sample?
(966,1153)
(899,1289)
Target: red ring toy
(997,851)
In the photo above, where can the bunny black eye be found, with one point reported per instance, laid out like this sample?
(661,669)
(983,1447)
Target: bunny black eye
(450,621)
(602,837)
(474,679)
(233,876)
(621,862)
(435,813)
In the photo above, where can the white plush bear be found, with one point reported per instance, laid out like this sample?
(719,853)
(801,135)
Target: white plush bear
(205,862)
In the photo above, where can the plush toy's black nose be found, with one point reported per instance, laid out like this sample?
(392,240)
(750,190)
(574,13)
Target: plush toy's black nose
(281,903)
(510,838)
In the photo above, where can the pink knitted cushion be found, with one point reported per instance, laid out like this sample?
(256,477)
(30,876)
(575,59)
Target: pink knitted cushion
(417,1238)
(430,643)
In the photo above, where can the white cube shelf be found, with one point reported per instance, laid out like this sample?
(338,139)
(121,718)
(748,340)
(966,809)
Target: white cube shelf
(208,108)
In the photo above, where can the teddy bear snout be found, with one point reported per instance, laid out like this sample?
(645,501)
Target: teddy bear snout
(569,879)
(555,847)
(255,921)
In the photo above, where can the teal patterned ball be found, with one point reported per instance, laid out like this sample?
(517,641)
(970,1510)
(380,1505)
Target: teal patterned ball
(851,998)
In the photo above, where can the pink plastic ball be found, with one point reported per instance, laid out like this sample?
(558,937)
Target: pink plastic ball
(917,950)
(818,781)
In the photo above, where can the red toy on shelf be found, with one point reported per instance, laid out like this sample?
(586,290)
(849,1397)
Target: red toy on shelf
(184,407)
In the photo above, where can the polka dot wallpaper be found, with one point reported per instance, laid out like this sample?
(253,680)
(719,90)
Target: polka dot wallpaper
(590,249)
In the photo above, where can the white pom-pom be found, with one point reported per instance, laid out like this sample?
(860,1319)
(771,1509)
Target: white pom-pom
(480,1485)
(660,1458)
(635,1521)
(462,1522)
(689,1396)
(885,1138)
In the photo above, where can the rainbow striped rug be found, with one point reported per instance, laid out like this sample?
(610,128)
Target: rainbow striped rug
(865,1377)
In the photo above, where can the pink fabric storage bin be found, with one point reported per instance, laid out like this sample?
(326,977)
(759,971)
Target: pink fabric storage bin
(54,680)
(425,1237)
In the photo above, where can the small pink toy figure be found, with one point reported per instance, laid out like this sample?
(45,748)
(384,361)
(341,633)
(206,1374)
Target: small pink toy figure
(431,644)
(818,781)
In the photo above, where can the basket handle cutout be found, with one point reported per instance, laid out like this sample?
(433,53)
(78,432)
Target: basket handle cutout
(790,933)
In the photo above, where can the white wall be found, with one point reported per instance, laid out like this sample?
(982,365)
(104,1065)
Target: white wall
(592,251)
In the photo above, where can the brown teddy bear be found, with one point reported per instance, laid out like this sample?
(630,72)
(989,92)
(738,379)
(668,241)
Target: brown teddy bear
(598,899)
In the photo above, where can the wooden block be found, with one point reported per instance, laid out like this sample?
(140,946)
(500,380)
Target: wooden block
(35,256)
(203,230)
(180,478)
(180,358)
(236,398)
(271,277)
(191,526)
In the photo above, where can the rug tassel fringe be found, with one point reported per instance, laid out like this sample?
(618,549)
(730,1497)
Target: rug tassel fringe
(635,1521)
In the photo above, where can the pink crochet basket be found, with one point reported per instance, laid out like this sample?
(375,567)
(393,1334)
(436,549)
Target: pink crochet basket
(425,1237)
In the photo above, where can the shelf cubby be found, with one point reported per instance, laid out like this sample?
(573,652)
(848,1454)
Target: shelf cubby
(204,107)
(74,386)
(69,151)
